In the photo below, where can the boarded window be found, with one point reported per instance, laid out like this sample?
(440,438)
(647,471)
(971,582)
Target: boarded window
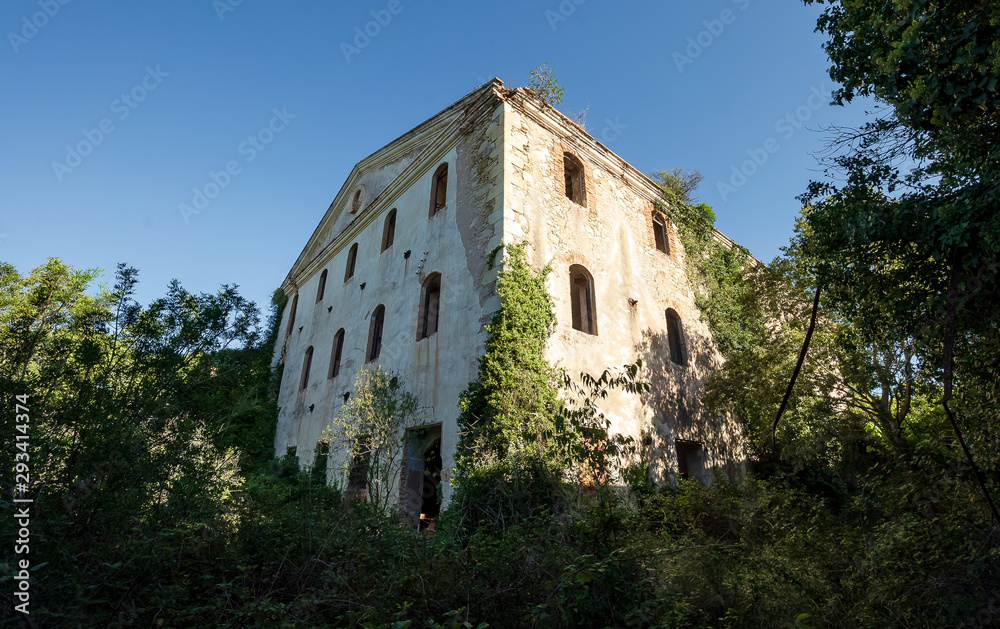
(690,460)
(291,314)
(581,285)
(306,366)
(322,287)
(338,352)
(352,259)
(573,179)
(439,188)
(675,337)
(660,235)
(429,306)
(375,333)
(389,230)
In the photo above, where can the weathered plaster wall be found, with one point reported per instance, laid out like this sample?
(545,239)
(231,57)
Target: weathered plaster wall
(505,155)
(453,242)
(612,237)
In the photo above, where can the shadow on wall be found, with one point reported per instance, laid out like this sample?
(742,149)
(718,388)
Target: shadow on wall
(676,394)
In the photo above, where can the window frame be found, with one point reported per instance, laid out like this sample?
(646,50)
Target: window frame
(660,238)
(686,450)
(389,230)
(291,315)
(676,346)
(321,289)
(437,191)
(376,329)
(306,369)
(574,181)
(430,294)
(352,261)
(582,281)
(336,354)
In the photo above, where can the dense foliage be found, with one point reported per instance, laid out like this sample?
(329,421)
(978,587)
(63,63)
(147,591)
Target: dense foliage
(157,502)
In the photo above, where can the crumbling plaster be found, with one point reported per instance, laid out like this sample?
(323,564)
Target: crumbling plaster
(505,154)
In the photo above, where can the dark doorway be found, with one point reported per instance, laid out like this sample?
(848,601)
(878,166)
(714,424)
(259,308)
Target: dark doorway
(422,489)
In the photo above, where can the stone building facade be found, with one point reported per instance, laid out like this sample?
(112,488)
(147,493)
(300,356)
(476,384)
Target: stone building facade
(396,274)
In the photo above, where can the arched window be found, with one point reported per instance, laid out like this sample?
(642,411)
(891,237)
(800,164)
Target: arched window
(352,258)
(573,179)
(660,234)
(359,198)
(322,286)
(291,314)
(389,230)
(338,352)
(429,306)
(439,188)
(675,337)
(581,286)
(375,334)
(306,366)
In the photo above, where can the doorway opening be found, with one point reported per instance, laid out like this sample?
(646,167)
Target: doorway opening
(421,491)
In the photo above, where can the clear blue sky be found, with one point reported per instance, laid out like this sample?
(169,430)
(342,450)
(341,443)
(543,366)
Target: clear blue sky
(668,84)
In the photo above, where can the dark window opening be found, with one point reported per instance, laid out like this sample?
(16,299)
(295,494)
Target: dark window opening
(439,189)
(675,337)
(375,333)
(430,306)
(356,201)
(322,456)
(322,287)
(338,352)
(690,460)
(582,300)
(357,474)
(291,314)
(573,179)
(352,258)
(306,366)
(389,230)
(660,235)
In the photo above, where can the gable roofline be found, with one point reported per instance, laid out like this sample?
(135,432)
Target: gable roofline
(430,138)
(556,122)
(425,138)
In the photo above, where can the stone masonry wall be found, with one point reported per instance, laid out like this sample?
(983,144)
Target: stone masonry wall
(612,237)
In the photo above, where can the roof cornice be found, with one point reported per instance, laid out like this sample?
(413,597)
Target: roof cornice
(438,135)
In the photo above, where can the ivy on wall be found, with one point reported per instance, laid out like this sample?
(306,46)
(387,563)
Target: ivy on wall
(507,412)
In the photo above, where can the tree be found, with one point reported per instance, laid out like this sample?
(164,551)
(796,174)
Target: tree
(542,81)
(129,409)
(909,245)
(925,237)
(369,431)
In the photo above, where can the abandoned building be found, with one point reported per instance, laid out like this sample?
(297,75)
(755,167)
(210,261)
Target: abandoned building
(397,274)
